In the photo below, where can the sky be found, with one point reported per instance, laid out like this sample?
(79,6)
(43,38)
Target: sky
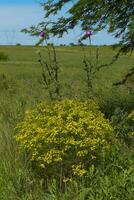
(18,14)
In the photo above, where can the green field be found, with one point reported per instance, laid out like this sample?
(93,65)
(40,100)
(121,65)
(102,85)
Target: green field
(23,62)
(21,88)
(24,68)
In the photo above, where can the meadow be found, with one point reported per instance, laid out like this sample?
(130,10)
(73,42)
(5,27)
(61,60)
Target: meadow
(22,88)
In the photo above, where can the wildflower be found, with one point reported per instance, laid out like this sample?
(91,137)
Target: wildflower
(52,131)
(42,34)
(89,33)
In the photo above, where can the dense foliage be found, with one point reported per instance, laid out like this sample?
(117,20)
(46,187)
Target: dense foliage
(116,16)
(65,138)
(108,177)
(124,126)
(131,124)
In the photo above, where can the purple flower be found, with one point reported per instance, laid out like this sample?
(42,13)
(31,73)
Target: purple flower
(89,33)
(42,34)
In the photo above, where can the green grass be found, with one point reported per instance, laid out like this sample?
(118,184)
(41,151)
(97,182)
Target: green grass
(21,89)
(23,65)
(24,68)
(23,60)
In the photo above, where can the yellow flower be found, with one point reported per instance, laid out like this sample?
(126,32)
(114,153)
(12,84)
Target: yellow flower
(67,135)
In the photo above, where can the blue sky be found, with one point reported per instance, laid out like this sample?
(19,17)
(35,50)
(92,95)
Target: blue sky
(18,2)
(18,14)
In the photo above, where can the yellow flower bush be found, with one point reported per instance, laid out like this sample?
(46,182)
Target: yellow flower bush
(64,138)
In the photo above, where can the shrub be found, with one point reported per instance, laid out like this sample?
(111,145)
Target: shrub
(131,123)
(18,44)
(3,56)
(64,138)
(124,125)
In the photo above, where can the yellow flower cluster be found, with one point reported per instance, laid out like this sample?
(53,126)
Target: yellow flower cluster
(79,170)
(65,136)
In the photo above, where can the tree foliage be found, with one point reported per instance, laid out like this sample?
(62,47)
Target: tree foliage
(115,15)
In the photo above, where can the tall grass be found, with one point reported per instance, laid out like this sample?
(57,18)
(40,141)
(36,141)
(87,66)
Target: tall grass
(21,89)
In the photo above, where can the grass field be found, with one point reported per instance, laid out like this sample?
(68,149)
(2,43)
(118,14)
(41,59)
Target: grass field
(21,89)
(23,66)
(23,61)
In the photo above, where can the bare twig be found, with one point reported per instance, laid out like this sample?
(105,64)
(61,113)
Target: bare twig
(124,80)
